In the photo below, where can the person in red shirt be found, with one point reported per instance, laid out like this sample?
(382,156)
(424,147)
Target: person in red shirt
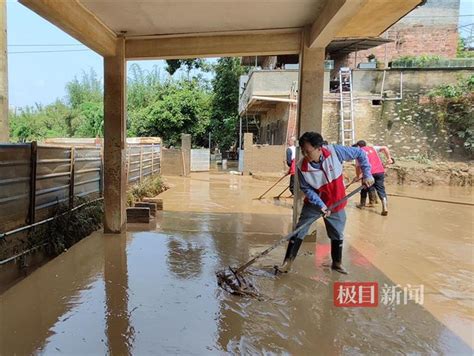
(321,179)
(290,161)
(378,172)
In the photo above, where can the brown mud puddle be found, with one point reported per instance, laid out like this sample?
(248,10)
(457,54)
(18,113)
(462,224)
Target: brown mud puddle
(155,292)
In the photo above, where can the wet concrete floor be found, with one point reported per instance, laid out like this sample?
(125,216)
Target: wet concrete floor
(154,292)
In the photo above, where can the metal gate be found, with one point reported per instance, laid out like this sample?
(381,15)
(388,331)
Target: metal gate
(200,160)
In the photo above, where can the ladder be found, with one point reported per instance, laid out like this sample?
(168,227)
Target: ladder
(346,125)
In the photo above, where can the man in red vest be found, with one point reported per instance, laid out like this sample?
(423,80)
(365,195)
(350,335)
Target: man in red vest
(378,172)
(322,182)
(290,161)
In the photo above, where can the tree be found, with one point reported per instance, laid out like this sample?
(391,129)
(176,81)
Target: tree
(88,89)
(89,121)
(143,87)
(39,122)
(85,97)
(225,101)
(173,65)
(155,108)
(180,107)
(462,51)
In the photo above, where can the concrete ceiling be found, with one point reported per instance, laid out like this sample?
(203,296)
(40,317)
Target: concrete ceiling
(152,29)
(162,17)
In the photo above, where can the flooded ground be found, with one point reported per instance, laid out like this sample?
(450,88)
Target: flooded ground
(155,292)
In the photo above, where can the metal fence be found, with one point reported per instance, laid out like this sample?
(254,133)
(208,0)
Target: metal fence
(142,161)
(200,159)
(34,179)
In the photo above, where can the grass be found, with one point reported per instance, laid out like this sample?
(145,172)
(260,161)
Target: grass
(149,187)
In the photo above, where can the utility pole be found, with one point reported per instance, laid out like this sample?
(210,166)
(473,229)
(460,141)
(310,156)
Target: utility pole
(4,127)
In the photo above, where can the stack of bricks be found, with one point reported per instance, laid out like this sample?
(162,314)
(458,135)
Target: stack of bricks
(138,215)
(156,201)
(142,211)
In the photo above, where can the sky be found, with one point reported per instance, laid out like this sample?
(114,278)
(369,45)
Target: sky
(41,77)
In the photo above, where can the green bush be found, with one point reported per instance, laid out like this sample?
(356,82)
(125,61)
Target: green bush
(454,105)
(417,61)
(149,187)
(461,51)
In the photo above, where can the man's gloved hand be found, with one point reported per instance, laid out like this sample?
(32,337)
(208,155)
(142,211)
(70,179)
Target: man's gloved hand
(368,181)
(326,212)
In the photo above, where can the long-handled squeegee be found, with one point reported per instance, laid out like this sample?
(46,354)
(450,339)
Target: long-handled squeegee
(278,181)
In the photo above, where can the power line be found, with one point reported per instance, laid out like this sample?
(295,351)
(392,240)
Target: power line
(431,16)
(58,51)
(44,45)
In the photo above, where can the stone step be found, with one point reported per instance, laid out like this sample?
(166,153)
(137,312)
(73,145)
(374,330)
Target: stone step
(151,206)
(157,201)
(138,215)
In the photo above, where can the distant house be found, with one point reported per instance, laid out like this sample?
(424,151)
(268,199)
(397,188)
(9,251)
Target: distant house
(386,101)
(268,93)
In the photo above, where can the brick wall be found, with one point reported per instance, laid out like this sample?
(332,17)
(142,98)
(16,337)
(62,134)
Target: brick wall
(409,127)
(292,118)
(177,162)
(171,162)
(277,120)
(431,29)
(186,149)
(263,158)
(410,42)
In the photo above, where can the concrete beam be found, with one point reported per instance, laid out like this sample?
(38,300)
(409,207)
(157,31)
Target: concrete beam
(74,19)
(332,19)
(375,17)
(216,45)
(115,185)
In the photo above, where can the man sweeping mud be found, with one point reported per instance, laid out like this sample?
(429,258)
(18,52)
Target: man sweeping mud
(321,180)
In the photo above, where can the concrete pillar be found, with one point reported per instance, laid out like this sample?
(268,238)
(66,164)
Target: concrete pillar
(311,85)
(115,127)
(4,127)
(248,145)
(186,152)
(310,103)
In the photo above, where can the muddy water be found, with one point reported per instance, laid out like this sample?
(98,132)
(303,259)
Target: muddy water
(428,243)
(154,292)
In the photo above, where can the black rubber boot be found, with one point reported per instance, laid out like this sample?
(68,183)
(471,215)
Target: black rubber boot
(289,248)
(291,252)
(384,207)
(373,198)
(336,255)
(363,200)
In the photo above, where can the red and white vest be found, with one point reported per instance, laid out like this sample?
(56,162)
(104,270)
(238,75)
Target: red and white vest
(328,182)
(293,157)
(374,160)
